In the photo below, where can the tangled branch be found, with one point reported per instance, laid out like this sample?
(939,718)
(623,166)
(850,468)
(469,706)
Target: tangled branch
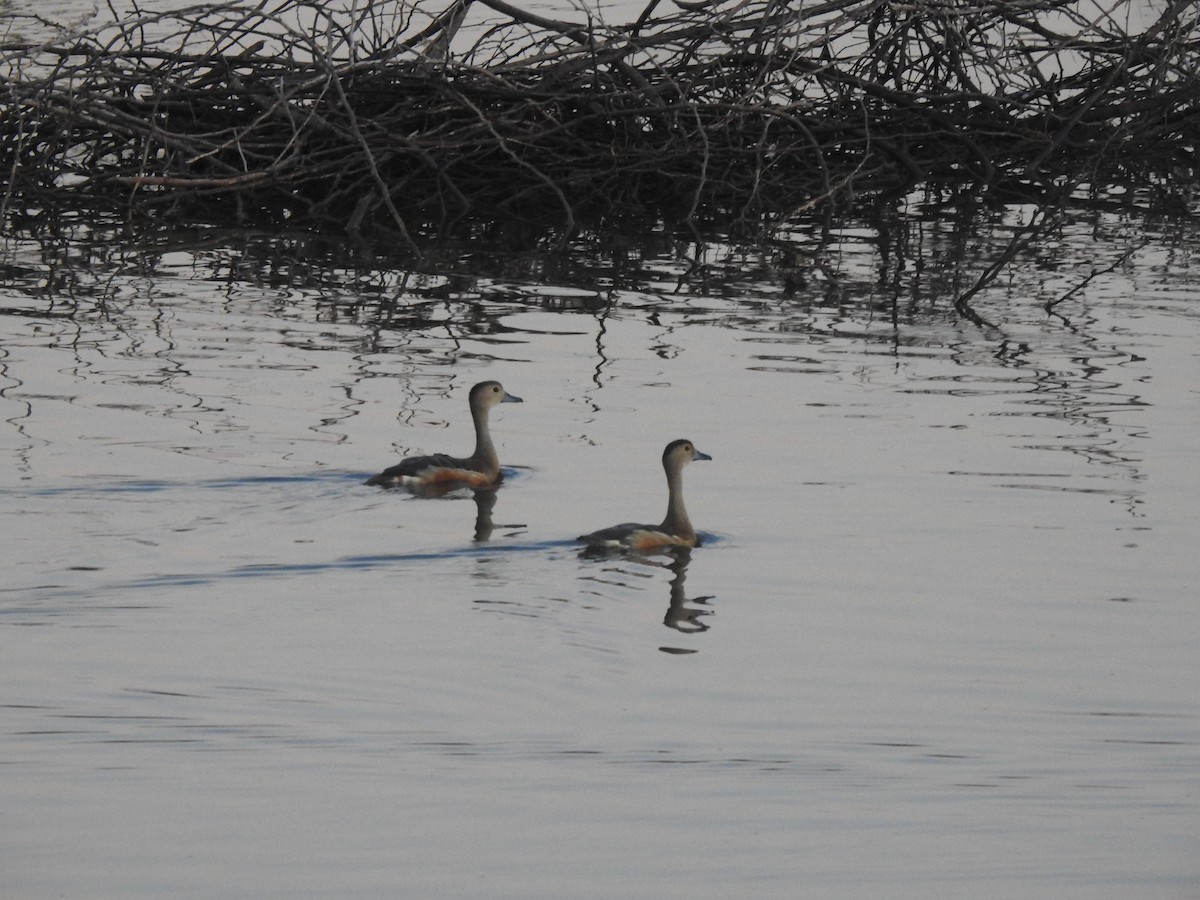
(732,112)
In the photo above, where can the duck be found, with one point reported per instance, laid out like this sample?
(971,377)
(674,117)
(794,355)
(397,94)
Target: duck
(479,470)
(676,529)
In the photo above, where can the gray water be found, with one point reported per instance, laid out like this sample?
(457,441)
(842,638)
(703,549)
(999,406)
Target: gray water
(940,640)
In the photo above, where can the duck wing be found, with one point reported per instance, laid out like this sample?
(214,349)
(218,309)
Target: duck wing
(416,468)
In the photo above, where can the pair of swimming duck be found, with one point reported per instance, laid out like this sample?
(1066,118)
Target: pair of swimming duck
(482,469)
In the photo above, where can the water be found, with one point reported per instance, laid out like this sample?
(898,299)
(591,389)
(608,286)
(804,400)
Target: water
(940,640)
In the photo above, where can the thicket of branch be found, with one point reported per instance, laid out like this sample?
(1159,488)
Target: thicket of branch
(383,112)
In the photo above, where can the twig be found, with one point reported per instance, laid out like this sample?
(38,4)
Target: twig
(1096,273)
(1021,239)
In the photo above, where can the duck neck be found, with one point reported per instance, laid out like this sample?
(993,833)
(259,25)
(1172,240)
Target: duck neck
(677,521)
(485,450)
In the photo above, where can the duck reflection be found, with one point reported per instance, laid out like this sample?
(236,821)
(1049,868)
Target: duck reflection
(684,614)
(485,502)
(680,615)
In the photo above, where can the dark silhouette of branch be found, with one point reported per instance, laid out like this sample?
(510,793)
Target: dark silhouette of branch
(730,114)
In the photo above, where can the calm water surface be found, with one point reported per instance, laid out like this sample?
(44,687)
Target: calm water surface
(941,640)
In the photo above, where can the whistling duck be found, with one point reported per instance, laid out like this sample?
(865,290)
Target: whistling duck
(676,529)
(480,469)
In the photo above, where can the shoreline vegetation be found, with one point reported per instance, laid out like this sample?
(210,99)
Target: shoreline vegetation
(396,118)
